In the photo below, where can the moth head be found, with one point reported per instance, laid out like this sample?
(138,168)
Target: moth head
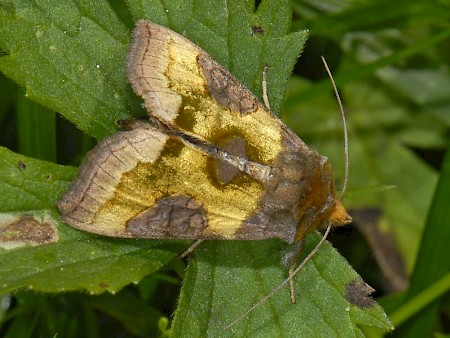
(339,215)
(322,205)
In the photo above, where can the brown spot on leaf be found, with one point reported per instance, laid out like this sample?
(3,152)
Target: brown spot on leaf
(358,293)
(257,30)
(103,285)
(16,231)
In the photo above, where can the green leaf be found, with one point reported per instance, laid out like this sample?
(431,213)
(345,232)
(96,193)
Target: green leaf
(432,263)
(225,279)
(28,184)
(70,57)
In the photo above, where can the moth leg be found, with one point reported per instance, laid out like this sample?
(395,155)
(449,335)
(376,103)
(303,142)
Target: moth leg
(191,248)
(295,257)
(264,88)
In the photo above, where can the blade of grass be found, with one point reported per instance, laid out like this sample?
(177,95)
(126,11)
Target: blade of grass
(417,303)
(36,129)
(432,261)
(371,15)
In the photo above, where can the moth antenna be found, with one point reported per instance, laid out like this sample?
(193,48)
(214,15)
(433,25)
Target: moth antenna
(344,126)
(264,88)
(287,280)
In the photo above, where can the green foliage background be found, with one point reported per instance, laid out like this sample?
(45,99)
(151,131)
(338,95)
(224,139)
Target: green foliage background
(390,61)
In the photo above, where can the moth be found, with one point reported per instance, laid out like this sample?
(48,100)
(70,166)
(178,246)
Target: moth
(212,162)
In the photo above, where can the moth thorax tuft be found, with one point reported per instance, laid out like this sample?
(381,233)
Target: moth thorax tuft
(339,215)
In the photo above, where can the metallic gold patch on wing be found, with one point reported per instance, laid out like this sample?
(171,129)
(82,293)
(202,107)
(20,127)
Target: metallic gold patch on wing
(205,117)
(181,170)
(211,121)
